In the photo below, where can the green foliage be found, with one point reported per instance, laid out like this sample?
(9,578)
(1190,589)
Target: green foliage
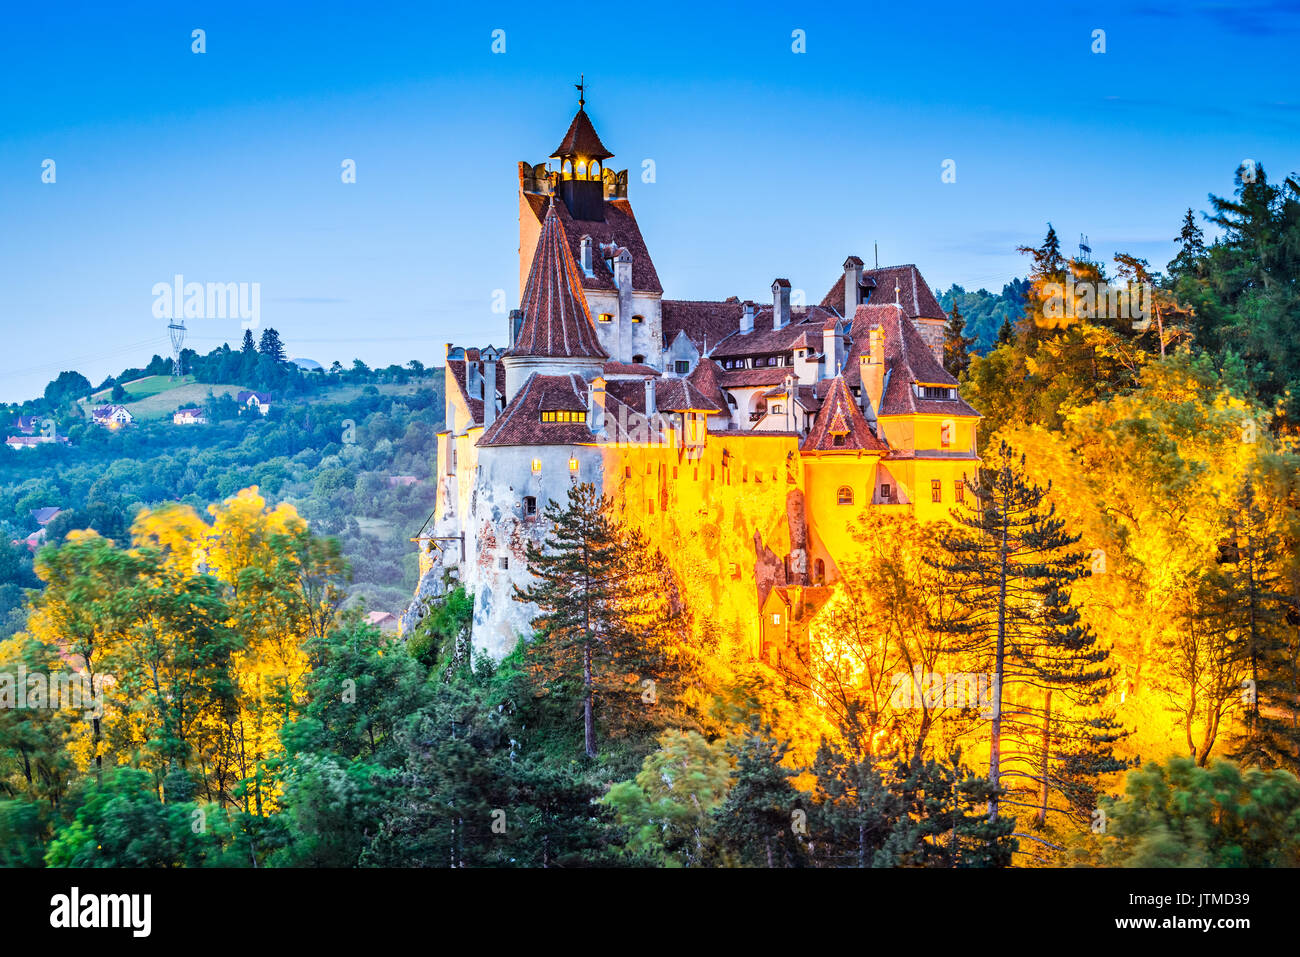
(1178,814)
(666,808)
(763,821)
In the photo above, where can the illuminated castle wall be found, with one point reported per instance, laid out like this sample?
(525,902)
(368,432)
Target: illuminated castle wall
(743,438)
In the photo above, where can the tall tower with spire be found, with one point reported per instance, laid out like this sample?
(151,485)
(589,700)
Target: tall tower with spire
(614,269)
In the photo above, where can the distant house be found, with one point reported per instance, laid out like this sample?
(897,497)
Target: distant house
(402,480)
(26,424)
(259,401)
(32,541)
(189,417)
(112,416)
(44,515)
(31,441)
(384,621)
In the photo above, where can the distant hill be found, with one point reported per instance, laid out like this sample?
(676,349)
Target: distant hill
(158,396)
(984,311)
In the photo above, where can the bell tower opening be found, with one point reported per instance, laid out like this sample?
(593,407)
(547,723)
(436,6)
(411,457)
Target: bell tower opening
(582,158)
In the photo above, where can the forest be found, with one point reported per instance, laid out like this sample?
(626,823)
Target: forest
(1118,601)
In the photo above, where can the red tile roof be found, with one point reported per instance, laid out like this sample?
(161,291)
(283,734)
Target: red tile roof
(679,395)
(613,368)
(619,227)
(804,330)
(706,377)
(475,403)
(743,378)
(520,423)
(840,415)
(705,323)
(556,320)
(914,293)
(907,360)
(581,139)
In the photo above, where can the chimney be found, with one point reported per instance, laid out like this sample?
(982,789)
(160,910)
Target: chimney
(516,323)
(780,303)
(747,318)
(489,392)
(650,407)
(623,281)
(586,263)
(852,280)
(449,416)
(832,351)
(596,406)
(873,372)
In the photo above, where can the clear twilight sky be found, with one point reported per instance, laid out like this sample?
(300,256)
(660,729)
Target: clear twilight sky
(225,166)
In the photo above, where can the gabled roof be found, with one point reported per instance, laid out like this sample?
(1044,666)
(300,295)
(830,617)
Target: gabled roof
(520,422)
(630,369)
(804,330)
(914,293)
(705,323)
(581,139)
(706,378)
(619,227)
(556,320)
(840,415)
(907,360)
(679,395)
(43,515)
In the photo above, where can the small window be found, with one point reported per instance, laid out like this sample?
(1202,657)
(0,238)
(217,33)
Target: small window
(776,618)
(744,473)
(530,505)
(819,571)
(638,318)
(674,471)
(627,471)
(638,359)
(945,434)
(696,476)
(503,562)
(682,366)
(959,490)
(886,493)
(936,490)
(777,409)
(837,439)
(844,496)
(606,317)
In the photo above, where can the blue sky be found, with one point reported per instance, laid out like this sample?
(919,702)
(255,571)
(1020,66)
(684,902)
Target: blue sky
(225,166)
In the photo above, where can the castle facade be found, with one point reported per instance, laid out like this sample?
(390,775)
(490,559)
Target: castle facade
(742,437)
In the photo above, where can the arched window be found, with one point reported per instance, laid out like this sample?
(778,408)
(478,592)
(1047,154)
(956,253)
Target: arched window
(844,496)
(638,358)
(530,505)
(566,170)
(582,169)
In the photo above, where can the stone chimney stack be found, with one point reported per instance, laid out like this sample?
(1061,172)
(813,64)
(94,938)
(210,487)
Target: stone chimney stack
(650,407)
(852,279)
(516,323)
(873,372)
(449,416)
(489,392)
(596,406)
(747,318)
(623,280)
(780,303)
(832,352)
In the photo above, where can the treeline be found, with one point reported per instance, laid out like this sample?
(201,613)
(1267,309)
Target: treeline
(332,460)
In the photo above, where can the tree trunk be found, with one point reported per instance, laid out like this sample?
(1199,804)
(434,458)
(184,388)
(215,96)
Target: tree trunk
(588,719)
(1047,757)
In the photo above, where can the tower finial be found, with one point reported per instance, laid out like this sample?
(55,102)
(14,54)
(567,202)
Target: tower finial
(581,86)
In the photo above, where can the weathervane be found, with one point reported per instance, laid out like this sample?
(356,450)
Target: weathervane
(580,85)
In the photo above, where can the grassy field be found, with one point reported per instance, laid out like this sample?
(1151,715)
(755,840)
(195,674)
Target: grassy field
(157,397)
(142,388)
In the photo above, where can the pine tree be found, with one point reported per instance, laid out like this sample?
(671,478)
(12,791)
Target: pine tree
(1191,248)
(599,604)
(1006,333)
(762,822)
(1253,603)
(249,346)
(956,346)
(271,345)
(1014,564)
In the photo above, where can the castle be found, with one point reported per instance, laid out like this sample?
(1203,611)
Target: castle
(742,437)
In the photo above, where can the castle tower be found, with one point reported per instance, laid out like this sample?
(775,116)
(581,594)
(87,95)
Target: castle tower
(581,157)
(556,335)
